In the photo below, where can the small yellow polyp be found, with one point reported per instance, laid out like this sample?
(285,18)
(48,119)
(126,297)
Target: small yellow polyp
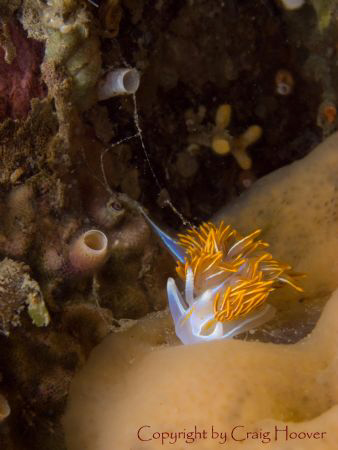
(223,116)
(242,157)
(220,145)
(241,144)
(250,136)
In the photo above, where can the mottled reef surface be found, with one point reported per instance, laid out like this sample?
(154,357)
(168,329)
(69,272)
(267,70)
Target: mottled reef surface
(69,163)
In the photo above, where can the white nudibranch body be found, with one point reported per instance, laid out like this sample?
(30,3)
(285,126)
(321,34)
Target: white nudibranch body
(228,279)
(119,82)
(194,318)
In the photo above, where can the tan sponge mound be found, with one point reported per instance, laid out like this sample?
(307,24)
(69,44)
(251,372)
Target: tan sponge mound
(136,392)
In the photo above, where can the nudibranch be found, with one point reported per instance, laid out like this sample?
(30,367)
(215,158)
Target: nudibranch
(227,278)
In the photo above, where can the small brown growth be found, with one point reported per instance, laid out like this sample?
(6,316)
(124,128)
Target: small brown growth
(328,113)
(4,408)
(16,287)
(110,14)
(284,82)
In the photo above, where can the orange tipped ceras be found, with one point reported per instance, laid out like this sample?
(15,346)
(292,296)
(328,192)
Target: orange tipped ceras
(239,269)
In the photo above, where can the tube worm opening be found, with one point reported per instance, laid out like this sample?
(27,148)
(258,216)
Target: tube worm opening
(119,82)
(89,251)
(131,81)
(95,240)
(292,4)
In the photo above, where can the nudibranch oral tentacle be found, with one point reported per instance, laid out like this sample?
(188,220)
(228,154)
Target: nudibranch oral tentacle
(172,245)
(228,279)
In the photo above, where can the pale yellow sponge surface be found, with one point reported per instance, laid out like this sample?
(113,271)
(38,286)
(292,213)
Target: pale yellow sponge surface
(141,381)
(297,208)
(134,379)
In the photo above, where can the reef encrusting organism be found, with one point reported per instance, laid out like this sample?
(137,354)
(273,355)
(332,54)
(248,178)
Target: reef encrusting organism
(119,82)
(223,143)
(72,62)
(17,290)
(110,13)
(284,82)
(327,116)
(24,145)
(325,10)
(132,282)
(218,137)
(20,60)
(228,279)
(5,409)
(292,4)
(19,223)
(89,251)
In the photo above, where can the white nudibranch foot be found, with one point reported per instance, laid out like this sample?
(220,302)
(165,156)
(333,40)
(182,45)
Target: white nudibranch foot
(119,82)
(194,317)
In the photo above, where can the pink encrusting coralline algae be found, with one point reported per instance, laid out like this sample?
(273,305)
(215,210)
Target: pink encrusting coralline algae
(20,78)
